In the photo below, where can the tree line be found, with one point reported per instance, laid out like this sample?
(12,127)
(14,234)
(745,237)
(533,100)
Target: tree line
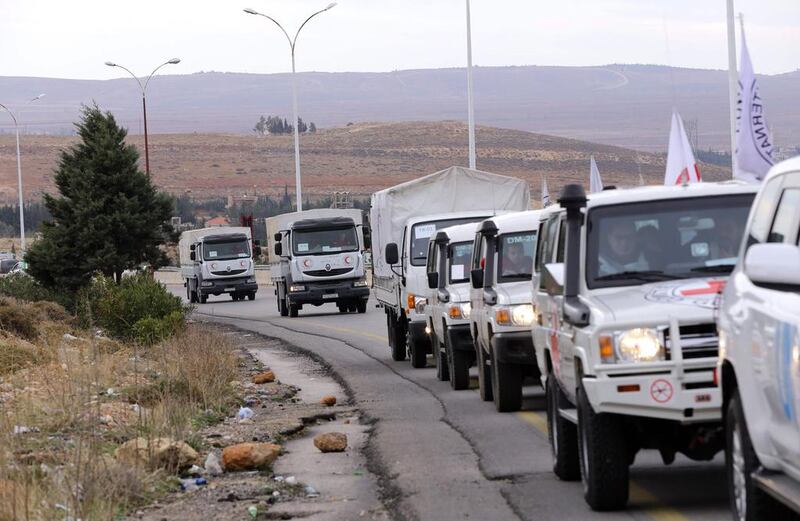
(276,125)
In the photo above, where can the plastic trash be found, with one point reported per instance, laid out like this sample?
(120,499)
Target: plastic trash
(291,480)
(279,478)
(245,413)
(194,470)
(253,511)
(311,491)
(192,484)
(212,465)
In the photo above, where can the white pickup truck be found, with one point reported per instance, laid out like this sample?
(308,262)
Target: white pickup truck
(403,219)
(502,311)
(759,363)
(628,316)
(448,308)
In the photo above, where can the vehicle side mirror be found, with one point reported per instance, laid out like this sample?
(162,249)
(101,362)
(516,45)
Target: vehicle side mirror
(192,255)
(476,276)
(367,237)
(278,249)
(192,247)
(553,279)
(391,254)
(257,250)
(433,280)
(773,263)
(256,243)
(277,237)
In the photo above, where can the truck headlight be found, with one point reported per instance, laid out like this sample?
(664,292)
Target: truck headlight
(639,345)
(360,283)
(457,311)
(520,315)
(296,287)
(251,280)
(206,283)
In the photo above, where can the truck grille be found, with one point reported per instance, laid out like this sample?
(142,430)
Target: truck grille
(232,272)
(697,340)
(332,273)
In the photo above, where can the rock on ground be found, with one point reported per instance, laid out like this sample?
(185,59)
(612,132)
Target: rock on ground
(264,378)
(331,442)
(329,400)
(157,453)
(249,456)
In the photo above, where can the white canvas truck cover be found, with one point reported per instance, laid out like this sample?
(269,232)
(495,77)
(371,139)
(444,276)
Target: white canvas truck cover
(191,236)
(284,221)
(454,189)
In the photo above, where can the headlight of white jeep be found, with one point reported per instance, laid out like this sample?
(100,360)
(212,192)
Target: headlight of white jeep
(456,311)
(520,315)
(296,287)
(360,283)
(639,345)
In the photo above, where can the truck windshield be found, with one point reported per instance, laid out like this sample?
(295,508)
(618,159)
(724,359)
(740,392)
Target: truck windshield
(422,232)
(324,242)
(226,250)
(651,241)
(515,256)
(459,254)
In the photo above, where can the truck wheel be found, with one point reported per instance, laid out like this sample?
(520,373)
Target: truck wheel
(351,308)
(397,340)
(562,434)
(361,306)
(418,356)
(748,502)
(283,307)
(484,374)
(251,296)
(342,308)
(293,310)
(458,364)
(203,299)
(440,358)
(506,385)
(603,457)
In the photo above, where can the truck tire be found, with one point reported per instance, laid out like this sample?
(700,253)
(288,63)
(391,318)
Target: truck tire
(251,296)
(484,373)
(506,385)
(417,354)
(748,502)
(562,434)
(203,299)
(397,338)
(293,310)
(458,364)
(283,309)
(440,358)
(342,308)
(361,306)
(603,456)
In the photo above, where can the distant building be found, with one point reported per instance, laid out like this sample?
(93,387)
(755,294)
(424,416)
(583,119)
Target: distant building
(216,222)
(236,200)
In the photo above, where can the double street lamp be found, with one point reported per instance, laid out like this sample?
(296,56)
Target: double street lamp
(143,88)
(292,44)
(19,172)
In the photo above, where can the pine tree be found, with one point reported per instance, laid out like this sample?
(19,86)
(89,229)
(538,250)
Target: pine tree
(108,216)
(312,127)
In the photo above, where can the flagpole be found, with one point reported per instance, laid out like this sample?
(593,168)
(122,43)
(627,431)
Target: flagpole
(733,83)
(470,108)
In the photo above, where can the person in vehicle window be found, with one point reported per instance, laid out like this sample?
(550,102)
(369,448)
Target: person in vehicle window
(622,252)
(515,262)
(727,236)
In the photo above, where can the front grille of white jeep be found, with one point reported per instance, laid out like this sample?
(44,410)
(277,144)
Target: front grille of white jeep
(697,341)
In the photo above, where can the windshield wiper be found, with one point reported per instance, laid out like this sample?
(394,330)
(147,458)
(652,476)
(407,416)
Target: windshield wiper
(719,268)
(646,276)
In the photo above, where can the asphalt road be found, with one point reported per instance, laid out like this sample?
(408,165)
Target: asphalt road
(446,454)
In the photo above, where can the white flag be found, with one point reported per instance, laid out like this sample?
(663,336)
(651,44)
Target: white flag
(753,142)
(681,166)
(545,194)
(595,183)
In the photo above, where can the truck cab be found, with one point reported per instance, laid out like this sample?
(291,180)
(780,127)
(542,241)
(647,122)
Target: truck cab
(447,303)
(626,311)
(502,312)
(759,320)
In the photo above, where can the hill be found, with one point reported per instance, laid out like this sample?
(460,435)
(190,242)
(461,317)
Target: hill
(360,158)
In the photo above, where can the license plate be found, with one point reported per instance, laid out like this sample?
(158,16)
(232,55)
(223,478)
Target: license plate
(330,295)
(230,289)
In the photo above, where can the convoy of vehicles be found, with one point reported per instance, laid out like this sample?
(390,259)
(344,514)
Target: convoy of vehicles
(502,313)
(760,354)
(218,261)
(318,258)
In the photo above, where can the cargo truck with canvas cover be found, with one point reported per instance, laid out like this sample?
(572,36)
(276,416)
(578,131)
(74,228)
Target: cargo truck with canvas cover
(404,218)
(217,261)
(318,258)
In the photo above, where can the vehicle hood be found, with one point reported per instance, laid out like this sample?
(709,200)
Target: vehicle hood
(459,292)
(510,293)
(688,300)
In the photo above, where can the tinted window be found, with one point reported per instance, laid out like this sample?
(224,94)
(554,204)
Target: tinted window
(226,250)
(459,255)
(764,211)
(547,242)
(562,238)
(422,232)
(784,228)
(324,242)
(515,255)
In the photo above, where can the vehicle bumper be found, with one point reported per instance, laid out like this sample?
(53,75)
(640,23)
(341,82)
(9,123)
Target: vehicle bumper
(687,398)
(514,347)
(322,293)
(219,287)
(460,338)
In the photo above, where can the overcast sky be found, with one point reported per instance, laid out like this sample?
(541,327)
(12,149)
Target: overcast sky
(72,39)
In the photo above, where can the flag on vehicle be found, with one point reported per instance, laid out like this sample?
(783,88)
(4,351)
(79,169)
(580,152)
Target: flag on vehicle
(545,193)
(595,182)
(753,142)
(681,165)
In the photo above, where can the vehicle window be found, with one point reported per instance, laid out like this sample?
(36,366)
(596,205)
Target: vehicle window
(476,252)
(545,252)
(431,266)
(764,211)
(516,251)
(636,243)
(562,240)
(422,232)
(459,255)
(784,228)
(226,250)
(325,242)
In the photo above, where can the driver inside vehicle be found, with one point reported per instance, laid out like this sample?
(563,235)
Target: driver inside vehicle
(622,250)
(514,260)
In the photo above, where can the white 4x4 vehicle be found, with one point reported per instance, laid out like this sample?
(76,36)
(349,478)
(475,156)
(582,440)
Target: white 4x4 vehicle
(448,307)
(502,313)
(759,366)
(628,317)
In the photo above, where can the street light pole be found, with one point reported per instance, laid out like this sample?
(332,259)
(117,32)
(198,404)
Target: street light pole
(292,46)
(19,177)
(143,88)
(470,109)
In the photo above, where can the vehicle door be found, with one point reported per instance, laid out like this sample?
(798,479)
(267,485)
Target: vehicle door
(432,303)
(562,338)
(481,310)
(545,254)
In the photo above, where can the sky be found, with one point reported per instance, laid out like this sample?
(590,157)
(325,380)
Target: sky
(73,39)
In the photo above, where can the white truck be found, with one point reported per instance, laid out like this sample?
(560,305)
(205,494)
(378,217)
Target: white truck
(318,258)
(218,261)
(502,311)
(759,363)
(404,218)
(448,308)
(628,316)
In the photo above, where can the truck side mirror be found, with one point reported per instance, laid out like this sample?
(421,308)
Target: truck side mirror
(278,249)
(553,279)
(192,254)
(433,280)
(367,237)
(773,263)
(257,242)
(278,237)
(476,276)
(391,255)
(192,247)
(257,250)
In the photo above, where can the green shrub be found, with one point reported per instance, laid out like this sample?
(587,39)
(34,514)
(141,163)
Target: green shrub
(24,287)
